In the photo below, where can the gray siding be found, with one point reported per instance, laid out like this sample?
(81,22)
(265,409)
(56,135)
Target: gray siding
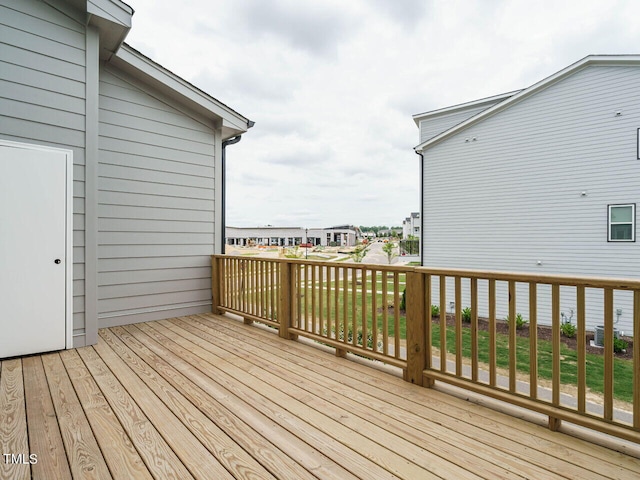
(42,99)
(155,205)
(513,196)
(432,126)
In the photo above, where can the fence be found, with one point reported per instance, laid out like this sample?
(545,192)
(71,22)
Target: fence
(357,308)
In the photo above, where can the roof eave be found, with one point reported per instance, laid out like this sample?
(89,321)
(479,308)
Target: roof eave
(133,62)
(536,87)
(474,103)
(112,18)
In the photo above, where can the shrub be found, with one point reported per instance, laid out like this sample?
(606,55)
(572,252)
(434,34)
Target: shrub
(520,321)
(466,315)
(403,300)
(568,329)
(294,252)
(619,345)
(359,337)
(435,311)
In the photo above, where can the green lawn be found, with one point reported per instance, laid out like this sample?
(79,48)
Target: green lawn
(623,369)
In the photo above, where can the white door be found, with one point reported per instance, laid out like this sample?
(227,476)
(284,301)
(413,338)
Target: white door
(33,203)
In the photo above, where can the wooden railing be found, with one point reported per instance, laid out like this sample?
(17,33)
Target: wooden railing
(356,308)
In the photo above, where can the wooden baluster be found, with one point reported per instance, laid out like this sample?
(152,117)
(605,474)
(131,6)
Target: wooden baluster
(533,340)
(554,423)
(512,336)
(443,323)
(474,329)
(458,315)
(608,353)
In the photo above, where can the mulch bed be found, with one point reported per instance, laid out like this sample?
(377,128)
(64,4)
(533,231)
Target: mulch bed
(544,333)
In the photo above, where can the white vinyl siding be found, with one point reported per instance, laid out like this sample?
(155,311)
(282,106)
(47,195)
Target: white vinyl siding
(42,99)
(514,197)
(155,205)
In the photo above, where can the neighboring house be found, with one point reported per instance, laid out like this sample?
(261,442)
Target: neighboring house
(111,176)
(542,180)
(411,226)
(341,236)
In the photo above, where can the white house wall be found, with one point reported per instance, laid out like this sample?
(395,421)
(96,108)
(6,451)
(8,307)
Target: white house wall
(42,99)
(513,197)
(155,205)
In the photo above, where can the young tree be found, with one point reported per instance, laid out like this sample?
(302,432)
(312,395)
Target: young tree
(359,252)
(391,250)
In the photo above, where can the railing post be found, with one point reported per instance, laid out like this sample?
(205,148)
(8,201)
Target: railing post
(286,293)
(216,278)
(416,348)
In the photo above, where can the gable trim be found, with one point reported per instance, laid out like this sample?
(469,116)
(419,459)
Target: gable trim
(418,117)
(139,66)
(591,60)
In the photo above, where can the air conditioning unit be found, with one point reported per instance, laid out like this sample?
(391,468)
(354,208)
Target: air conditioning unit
(599,335)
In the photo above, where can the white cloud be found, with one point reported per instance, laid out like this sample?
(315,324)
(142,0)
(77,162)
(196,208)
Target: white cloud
(332,85)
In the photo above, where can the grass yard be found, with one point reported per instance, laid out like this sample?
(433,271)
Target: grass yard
(623,369)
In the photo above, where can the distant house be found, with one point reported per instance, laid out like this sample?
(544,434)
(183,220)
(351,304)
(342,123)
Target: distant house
(340,236)
(111,176)
(544,179)
(411,226)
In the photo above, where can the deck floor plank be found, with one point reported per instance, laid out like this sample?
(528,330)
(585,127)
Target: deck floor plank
(567,452)
(416,452)
(427,434)
(13,422)
(383,457)
(157,454)
(250,437)
(215,440)
(193,454)
(215,376)
(206,396)
(123,459)
(44,432)
(364,440)
(85,457)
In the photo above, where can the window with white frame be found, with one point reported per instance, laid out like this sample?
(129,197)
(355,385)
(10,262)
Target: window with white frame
(622,223)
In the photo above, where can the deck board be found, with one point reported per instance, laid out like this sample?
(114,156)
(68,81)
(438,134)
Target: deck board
(44,432)
(13,425)
(482,433)
(206,396)
(84,455)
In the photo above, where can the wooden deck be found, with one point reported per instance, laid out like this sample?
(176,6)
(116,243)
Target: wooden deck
(208,397)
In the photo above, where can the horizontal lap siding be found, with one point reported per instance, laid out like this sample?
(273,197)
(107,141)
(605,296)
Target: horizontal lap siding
(513,197)
(437,124)
(42,99)
(155,206)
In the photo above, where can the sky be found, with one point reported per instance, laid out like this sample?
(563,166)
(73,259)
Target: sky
(332,86)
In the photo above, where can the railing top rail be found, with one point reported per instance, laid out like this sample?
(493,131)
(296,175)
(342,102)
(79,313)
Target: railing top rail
(569,280)
(302,261)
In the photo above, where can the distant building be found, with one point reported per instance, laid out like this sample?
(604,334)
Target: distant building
(411,226)
(339,236)
(390,232)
